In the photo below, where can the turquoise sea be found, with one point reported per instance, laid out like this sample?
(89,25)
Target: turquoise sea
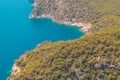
(18,33)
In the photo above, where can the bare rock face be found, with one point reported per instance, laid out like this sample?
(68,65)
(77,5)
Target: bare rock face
(15,70)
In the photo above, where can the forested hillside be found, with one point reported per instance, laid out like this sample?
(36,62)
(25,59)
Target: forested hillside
(95,56)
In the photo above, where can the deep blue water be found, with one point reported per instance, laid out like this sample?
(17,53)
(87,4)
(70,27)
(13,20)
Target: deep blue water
(18,33)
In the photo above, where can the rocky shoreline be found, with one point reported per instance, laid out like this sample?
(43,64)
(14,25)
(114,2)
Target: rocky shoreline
(14,71)
(85,58)
(84,26)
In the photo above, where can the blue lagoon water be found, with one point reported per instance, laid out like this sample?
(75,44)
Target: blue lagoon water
(18,33)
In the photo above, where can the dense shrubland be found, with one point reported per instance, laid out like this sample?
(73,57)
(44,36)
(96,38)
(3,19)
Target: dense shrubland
(95,56)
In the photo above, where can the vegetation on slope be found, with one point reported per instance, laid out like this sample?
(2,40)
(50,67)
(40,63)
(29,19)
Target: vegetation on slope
(76,11)
(92,57)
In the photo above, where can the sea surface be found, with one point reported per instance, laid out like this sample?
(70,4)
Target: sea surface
(18,33)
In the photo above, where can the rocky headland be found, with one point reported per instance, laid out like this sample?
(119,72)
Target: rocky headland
(72,13)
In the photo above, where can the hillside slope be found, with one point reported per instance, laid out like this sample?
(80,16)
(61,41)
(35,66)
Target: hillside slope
(82,13)
(95,56)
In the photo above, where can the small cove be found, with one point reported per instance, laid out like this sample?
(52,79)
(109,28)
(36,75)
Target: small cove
(19,34)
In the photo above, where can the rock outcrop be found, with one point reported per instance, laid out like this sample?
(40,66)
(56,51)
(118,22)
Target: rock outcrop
(69,12)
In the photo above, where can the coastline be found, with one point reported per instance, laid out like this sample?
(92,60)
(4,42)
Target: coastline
(84,27)
(14,71)
(91,45)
